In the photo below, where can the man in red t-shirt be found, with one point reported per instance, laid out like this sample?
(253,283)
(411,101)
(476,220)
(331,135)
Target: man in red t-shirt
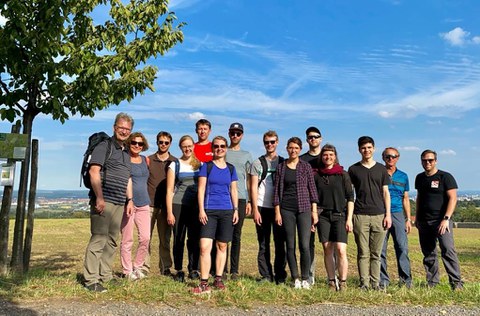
(203,148)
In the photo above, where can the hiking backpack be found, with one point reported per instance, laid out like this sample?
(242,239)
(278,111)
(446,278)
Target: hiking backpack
(93,141)
(263,162)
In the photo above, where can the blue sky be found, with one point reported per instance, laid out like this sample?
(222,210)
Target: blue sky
(406,73)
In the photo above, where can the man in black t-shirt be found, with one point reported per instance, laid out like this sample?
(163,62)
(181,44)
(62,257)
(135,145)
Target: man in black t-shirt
(436,202)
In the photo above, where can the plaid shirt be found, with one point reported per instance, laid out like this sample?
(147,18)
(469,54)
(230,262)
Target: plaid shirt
(306,189)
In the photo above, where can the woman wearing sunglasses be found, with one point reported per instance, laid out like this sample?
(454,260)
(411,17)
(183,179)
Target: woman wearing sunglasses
(335,195)
(295,200)
(218,212)
(140,216)
(182,207)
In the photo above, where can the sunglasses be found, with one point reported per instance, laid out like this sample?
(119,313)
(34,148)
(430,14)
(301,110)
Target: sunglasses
(267,142)
(137,143)
(313,137)
(428,160)
(223,146)
(235,134)
(390,156)
(161,142)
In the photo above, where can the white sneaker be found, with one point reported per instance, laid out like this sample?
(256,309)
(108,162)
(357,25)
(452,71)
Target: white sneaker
(305,285)
(131,276)
(139,273)
(311,280)
(298,284)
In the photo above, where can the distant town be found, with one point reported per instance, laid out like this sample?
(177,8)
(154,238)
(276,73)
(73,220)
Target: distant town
(54,203)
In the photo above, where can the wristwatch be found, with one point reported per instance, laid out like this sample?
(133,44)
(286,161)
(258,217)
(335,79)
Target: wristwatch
(446,218)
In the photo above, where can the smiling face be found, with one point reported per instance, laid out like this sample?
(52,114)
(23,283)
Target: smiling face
(314,140)
(235,136)
(429,162)
(329,159)
(203,131)
(136,145)
(187,148)
(390,157)
(366,150)
(293,150)
(270,143)
(219,147)
(122,130)
(163,144)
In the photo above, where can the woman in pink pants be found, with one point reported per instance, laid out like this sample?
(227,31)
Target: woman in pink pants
(141,212)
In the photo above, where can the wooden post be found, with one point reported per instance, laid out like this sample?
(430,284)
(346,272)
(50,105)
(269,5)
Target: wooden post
(4,215)
(27,249)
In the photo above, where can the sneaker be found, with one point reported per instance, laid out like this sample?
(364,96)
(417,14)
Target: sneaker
(311,280)
(179,277)
(305,285)
(218,284)
(96,287)
(234,276)
(264,280)
(342,285)
(167,272)
(194,275)
(132,276)
(297,284)
(364,287)
(202,288)
(139,273)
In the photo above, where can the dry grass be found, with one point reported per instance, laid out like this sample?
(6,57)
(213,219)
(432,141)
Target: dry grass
(57,260)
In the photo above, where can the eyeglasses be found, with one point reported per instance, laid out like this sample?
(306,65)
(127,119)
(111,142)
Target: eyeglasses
(125,129)
(235,134)
(310,137)
(216,146)
(161,142)
(428,160)
(390,156)
(267,142)
(187,147)
(134,143)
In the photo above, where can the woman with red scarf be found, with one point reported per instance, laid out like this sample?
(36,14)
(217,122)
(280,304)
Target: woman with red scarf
(335,194)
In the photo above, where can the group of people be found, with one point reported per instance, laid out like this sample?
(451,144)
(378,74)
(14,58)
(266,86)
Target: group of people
(203,197)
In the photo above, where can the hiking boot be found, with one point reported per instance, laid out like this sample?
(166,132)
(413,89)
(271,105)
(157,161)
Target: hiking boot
(297,284)
(332,285)
(218,283)
(342,285)
(179,277)
(305,285)
(167,272)
(96,287)
(202,288)
(234,276)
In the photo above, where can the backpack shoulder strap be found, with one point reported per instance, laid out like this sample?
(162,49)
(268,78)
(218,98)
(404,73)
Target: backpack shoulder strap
(231,168)
(209,167)
(263,162)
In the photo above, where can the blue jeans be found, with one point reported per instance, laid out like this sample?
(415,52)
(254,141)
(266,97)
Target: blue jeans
(400,243)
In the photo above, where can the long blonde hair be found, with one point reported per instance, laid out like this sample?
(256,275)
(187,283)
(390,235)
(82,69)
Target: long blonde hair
(194,162)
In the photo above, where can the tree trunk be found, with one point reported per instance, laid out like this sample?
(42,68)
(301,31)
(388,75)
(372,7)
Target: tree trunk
(17,248)
(27,249)
(4,215)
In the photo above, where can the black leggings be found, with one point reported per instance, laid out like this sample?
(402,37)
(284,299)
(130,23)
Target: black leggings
(293,220)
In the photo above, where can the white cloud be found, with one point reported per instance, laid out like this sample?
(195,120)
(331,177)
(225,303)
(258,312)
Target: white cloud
(3,20)
(456,37)
(409,148)
(449,152)
(196,116)
(476,39)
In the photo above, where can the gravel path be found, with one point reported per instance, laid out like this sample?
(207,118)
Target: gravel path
(106,308)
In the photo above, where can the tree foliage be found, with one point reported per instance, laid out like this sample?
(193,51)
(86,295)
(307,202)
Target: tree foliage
(56,60)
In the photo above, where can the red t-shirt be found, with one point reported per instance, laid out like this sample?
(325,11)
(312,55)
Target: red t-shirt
(203,152)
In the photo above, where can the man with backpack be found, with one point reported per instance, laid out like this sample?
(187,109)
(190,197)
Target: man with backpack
(110,191)
(262,179)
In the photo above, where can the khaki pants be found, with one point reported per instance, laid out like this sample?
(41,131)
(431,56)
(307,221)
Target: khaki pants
(103,243)
(369,237)
(159,217)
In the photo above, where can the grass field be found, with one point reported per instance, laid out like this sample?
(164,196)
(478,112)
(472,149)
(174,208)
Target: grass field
(59,245)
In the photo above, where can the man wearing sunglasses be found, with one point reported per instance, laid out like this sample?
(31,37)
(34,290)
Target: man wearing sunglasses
(314,141)
(261,188)
(436,202)
(157,190)
(242,160)
(401,222)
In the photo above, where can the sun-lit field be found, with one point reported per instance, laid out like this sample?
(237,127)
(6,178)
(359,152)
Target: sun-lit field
(59,245)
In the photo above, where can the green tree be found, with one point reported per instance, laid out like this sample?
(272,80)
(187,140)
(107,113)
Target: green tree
(56,60)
